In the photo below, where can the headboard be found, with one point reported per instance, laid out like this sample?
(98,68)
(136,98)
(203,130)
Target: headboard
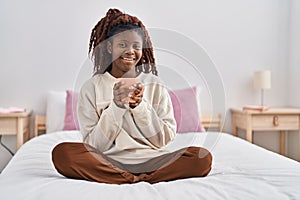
(209,121)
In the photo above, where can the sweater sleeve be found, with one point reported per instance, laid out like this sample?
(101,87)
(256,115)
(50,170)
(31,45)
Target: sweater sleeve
(156,122)
(98,127)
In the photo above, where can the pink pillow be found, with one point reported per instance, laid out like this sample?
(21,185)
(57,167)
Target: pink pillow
(71,120)
(184,103)
(186,111)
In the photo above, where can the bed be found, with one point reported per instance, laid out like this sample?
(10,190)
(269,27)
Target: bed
(240,170)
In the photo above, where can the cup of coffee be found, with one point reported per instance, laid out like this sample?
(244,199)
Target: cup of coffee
(133,86)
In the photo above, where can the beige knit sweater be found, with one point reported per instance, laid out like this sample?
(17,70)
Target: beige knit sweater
(127,135)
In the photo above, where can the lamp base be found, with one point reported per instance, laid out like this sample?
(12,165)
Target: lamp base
(262,98)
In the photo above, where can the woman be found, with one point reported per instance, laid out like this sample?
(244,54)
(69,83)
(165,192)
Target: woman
(125,114)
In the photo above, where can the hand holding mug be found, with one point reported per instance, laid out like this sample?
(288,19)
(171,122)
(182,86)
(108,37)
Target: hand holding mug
(128,91)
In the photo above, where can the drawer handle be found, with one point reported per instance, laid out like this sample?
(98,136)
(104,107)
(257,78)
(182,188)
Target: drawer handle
(275,121)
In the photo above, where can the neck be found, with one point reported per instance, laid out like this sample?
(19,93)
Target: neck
(129,74)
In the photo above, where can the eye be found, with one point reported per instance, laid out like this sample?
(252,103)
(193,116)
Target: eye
(122,45)
(136,46)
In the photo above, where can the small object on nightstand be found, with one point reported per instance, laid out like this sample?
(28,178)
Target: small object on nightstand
(11,110)
(258,108)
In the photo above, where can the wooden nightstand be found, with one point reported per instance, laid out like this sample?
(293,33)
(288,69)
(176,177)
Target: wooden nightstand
(16,124)
(274,119)
(39,124)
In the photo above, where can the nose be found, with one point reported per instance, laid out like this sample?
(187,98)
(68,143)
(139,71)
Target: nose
(130,50)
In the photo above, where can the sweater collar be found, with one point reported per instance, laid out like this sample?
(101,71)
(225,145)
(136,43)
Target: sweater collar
(114,79)
(110,77)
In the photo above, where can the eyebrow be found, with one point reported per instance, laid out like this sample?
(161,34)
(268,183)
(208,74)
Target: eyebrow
(128,41)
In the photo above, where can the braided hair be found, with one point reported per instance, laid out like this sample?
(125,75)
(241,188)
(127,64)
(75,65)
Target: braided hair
(113,23)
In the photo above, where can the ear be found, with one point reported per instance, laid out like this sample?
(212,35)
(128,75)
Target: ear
(109,47)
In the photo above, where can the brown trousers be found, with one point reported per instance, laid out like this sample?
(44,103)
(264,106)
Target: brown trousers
(82,161)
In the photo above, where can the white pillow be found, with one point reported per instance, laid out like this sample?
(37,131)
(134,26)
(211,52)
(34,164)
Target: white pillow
(55,111)
(198,96)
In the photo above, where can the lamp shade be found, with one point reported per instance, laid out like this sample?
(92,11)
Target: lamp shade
(262,79)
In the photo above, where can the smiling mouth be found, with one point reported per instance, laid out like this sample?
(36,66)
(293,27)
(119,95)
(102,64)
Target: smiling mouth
(128,59)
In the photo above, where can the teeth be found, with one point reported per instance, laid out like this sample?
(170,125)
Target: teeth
(129,59)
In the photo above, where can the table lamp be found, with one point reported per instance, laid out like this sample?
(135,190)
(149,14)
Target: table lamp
(262,81)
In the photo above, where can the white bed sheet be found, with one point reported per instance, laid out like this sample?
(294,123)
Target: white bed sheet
(240,171)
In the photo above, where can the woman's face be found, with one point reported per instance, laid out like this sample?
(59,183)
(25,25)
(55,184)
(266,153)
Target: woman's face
(126,50)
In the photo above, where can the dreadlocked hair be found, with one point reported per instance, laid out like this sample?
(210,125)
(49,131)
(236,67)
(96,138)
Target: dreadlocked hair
(113,23)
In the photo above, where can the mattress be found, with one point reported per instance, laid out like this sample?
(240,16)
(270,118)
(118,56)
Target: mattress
(240,170)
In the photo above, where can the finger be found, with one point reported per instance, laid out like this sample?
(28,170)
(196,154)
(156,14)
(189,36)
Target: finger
(118,85)
(139,86)
(125,100)
(135,100)
(118,102)
(139,92)
(119,95)
(123,89)
(131,97)
(123,92)
(139,100)
(131,101)
(133,105)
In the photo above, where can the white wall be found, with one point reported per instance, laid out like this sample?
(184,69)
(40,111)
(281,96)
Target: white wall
(294,55)
(44,44)
(294,69)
